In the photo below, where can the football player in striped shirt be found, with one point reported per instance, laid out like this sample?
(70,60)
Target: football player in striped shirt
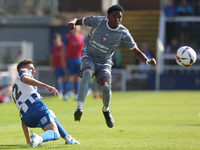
(33,112)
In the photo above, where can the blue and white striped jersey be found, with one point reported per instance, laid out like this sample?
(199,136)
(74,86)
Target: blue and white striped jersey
(102,41)
(23,93)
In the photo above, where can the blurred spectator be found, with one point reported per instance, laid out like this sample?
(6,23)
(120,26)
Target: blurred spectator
(184,9)
(143,67)
(19,56)
(117,59)
(173,46)
(74,45)
(170,9)
(5,94)
(8,58)
(55,61)
(197,13)
(170,12)
(197,9)
(171,49)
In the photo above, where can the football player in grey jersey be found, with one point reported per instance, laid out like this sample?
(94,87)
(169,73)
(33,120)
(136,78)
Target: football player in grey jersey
(106,34)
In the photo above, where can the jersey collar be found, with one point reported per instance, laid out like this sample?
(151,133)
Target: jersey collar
(111,28)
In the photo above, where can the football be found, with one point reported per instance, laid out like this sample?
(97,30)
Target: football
(185,56)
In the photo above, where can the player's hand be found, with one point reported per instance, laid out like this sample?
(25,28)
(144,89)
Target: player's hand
(151,62)
(52,90)
(71,26)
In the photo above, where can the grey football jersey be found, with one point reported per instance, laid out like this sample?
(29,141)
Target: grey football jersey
(102,41)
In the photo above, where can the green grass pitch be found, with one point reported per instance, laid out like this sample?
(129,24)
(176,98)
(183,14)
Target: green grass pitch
(144,120)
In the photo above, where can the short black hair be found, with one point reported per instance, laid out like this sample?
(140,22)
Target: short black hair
(115,8)
(24,63)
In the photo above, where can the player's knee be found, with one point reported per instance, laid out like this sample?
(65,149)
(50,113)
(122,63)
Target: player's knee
(67,78)
(105,89)
(52,113)
(58,135)
(59,79)
(87,74)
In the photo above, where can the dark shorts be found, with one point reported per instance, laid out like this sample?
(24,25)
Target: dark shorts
(38,115)
(58,72)
(100,70)
(73,66)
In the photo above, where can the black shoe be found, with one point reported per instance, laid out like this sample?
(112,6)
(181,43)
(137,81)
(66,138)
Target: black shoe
(77,115)
(109,119)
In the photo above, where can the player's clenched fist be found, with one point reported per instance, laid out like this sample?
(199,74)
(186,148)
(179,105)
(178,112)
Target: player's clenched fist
(151,62)
(71,24)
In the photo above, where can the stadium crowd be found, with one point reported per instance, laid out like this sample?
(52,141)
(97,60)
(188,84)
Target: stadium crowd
(181,33)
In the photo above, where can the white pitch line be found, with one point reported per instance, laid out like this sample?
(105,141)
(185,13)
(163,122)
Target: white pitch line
(11,125)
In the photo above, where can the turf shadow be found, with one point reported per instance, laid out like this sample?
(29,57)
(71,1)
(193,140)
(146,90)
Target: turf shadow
(13,146)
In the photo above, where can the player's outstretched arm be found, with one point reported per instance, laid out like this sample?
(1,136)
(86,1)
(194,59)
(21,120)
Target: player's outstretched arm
(52,90)
(34,82)
(71,25)
(142,57)
(26,132)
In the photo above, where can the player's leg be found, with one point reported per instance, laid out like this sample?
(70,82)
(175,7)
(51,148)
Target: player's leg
(76,76)
(38,115)
(104,84)
(68,139)
(82,92)
(59,86)
(76,85)
(68,76)
(58,73)
(50,131)
(87,67)
(67,85)
(106,97)
(104,81)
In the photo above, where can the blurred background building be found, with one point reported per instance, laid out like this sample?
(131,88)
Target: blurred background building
(27,27)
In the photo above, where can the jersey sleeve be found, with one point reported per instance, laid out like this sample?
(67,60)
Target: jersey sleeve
(129,42)
(92,21)
(24,72)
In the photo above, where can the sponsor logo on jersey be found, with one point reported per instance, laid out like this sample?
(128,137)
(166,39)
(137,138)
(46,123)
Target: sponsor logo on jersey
(104,39)
(86,63)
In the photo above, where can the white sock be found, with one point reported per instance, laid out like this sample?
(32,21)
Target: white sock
(105,108)
(41,139)
(79,105)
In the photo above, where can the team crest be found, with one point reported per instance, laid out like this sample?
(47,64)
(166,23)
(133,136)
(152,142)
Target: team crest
(104,39)
(86,63)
